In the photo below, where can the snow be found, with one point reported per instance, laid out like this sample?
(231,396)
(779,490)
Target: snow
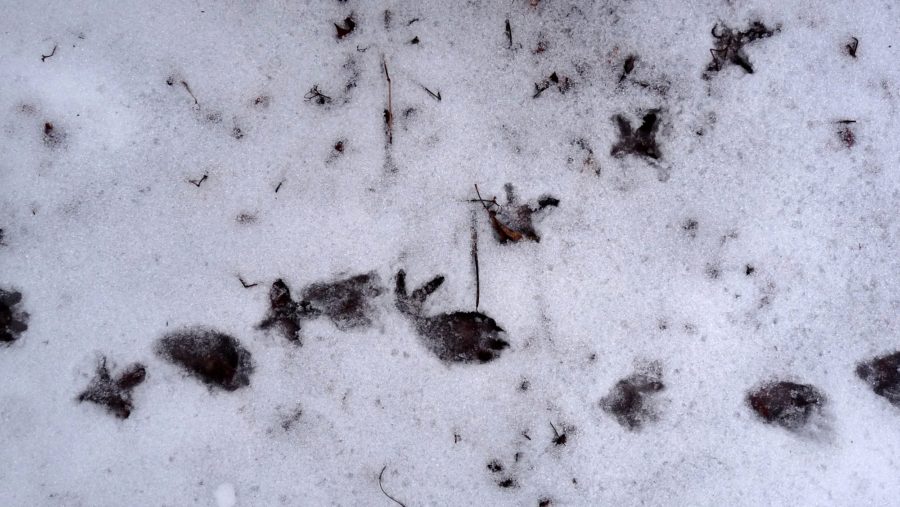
(644,261)
(225,496)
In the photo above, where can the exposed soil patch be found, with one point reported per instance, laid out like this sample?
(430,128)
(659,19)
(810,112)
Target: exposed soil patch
(786,404)
(463,337)
(883,375)
(114,394)
(216,359)
(13,320)
(629,401)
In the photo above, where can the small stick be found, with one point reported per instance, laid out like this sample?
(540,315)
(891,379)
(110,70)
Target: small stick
(475,259)
(188,88)
(277,188)
(245,284)
(401,504)
(435,96)
(483,201)
(389,112)
(44,57)
(199,182)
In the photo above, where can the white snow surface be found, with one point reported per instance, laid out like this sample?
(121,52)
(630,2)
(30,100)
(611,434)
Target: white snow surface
(112,247)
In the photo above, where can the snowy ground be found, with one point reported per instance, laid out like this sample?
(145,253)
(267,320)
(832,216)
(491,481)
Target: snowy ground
(155,155)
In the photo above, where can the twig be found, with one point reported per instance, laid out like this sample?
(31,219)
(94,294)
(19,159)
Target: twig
(483,201)
(475,259)
(389,112)
(539,88)
(435,96)
(401,504)
(44,57)
(278,187)
(245,284)
(188,88)
(199,182)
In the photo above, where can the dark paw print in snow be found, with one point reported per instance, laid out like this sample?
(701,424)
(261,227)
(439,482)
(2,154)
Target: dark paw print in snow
(13,321)
(786,404)
(883,375)
(641,142)
(453,337)
(114,394)
(730,46)
(214,358)
(347,303)
(629,401)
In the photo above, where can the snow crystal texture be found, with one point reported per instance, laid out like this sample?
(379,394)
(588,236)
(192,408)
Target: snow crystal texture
(727,183)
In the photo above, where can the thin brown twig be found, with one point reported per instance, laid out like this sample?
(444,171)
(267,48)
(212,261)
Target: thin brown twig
(199,182)
(188,88)
(389,112)
(483,201)
(435,96)
(475,259)
(401,504)
(44,57)
(245,284)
